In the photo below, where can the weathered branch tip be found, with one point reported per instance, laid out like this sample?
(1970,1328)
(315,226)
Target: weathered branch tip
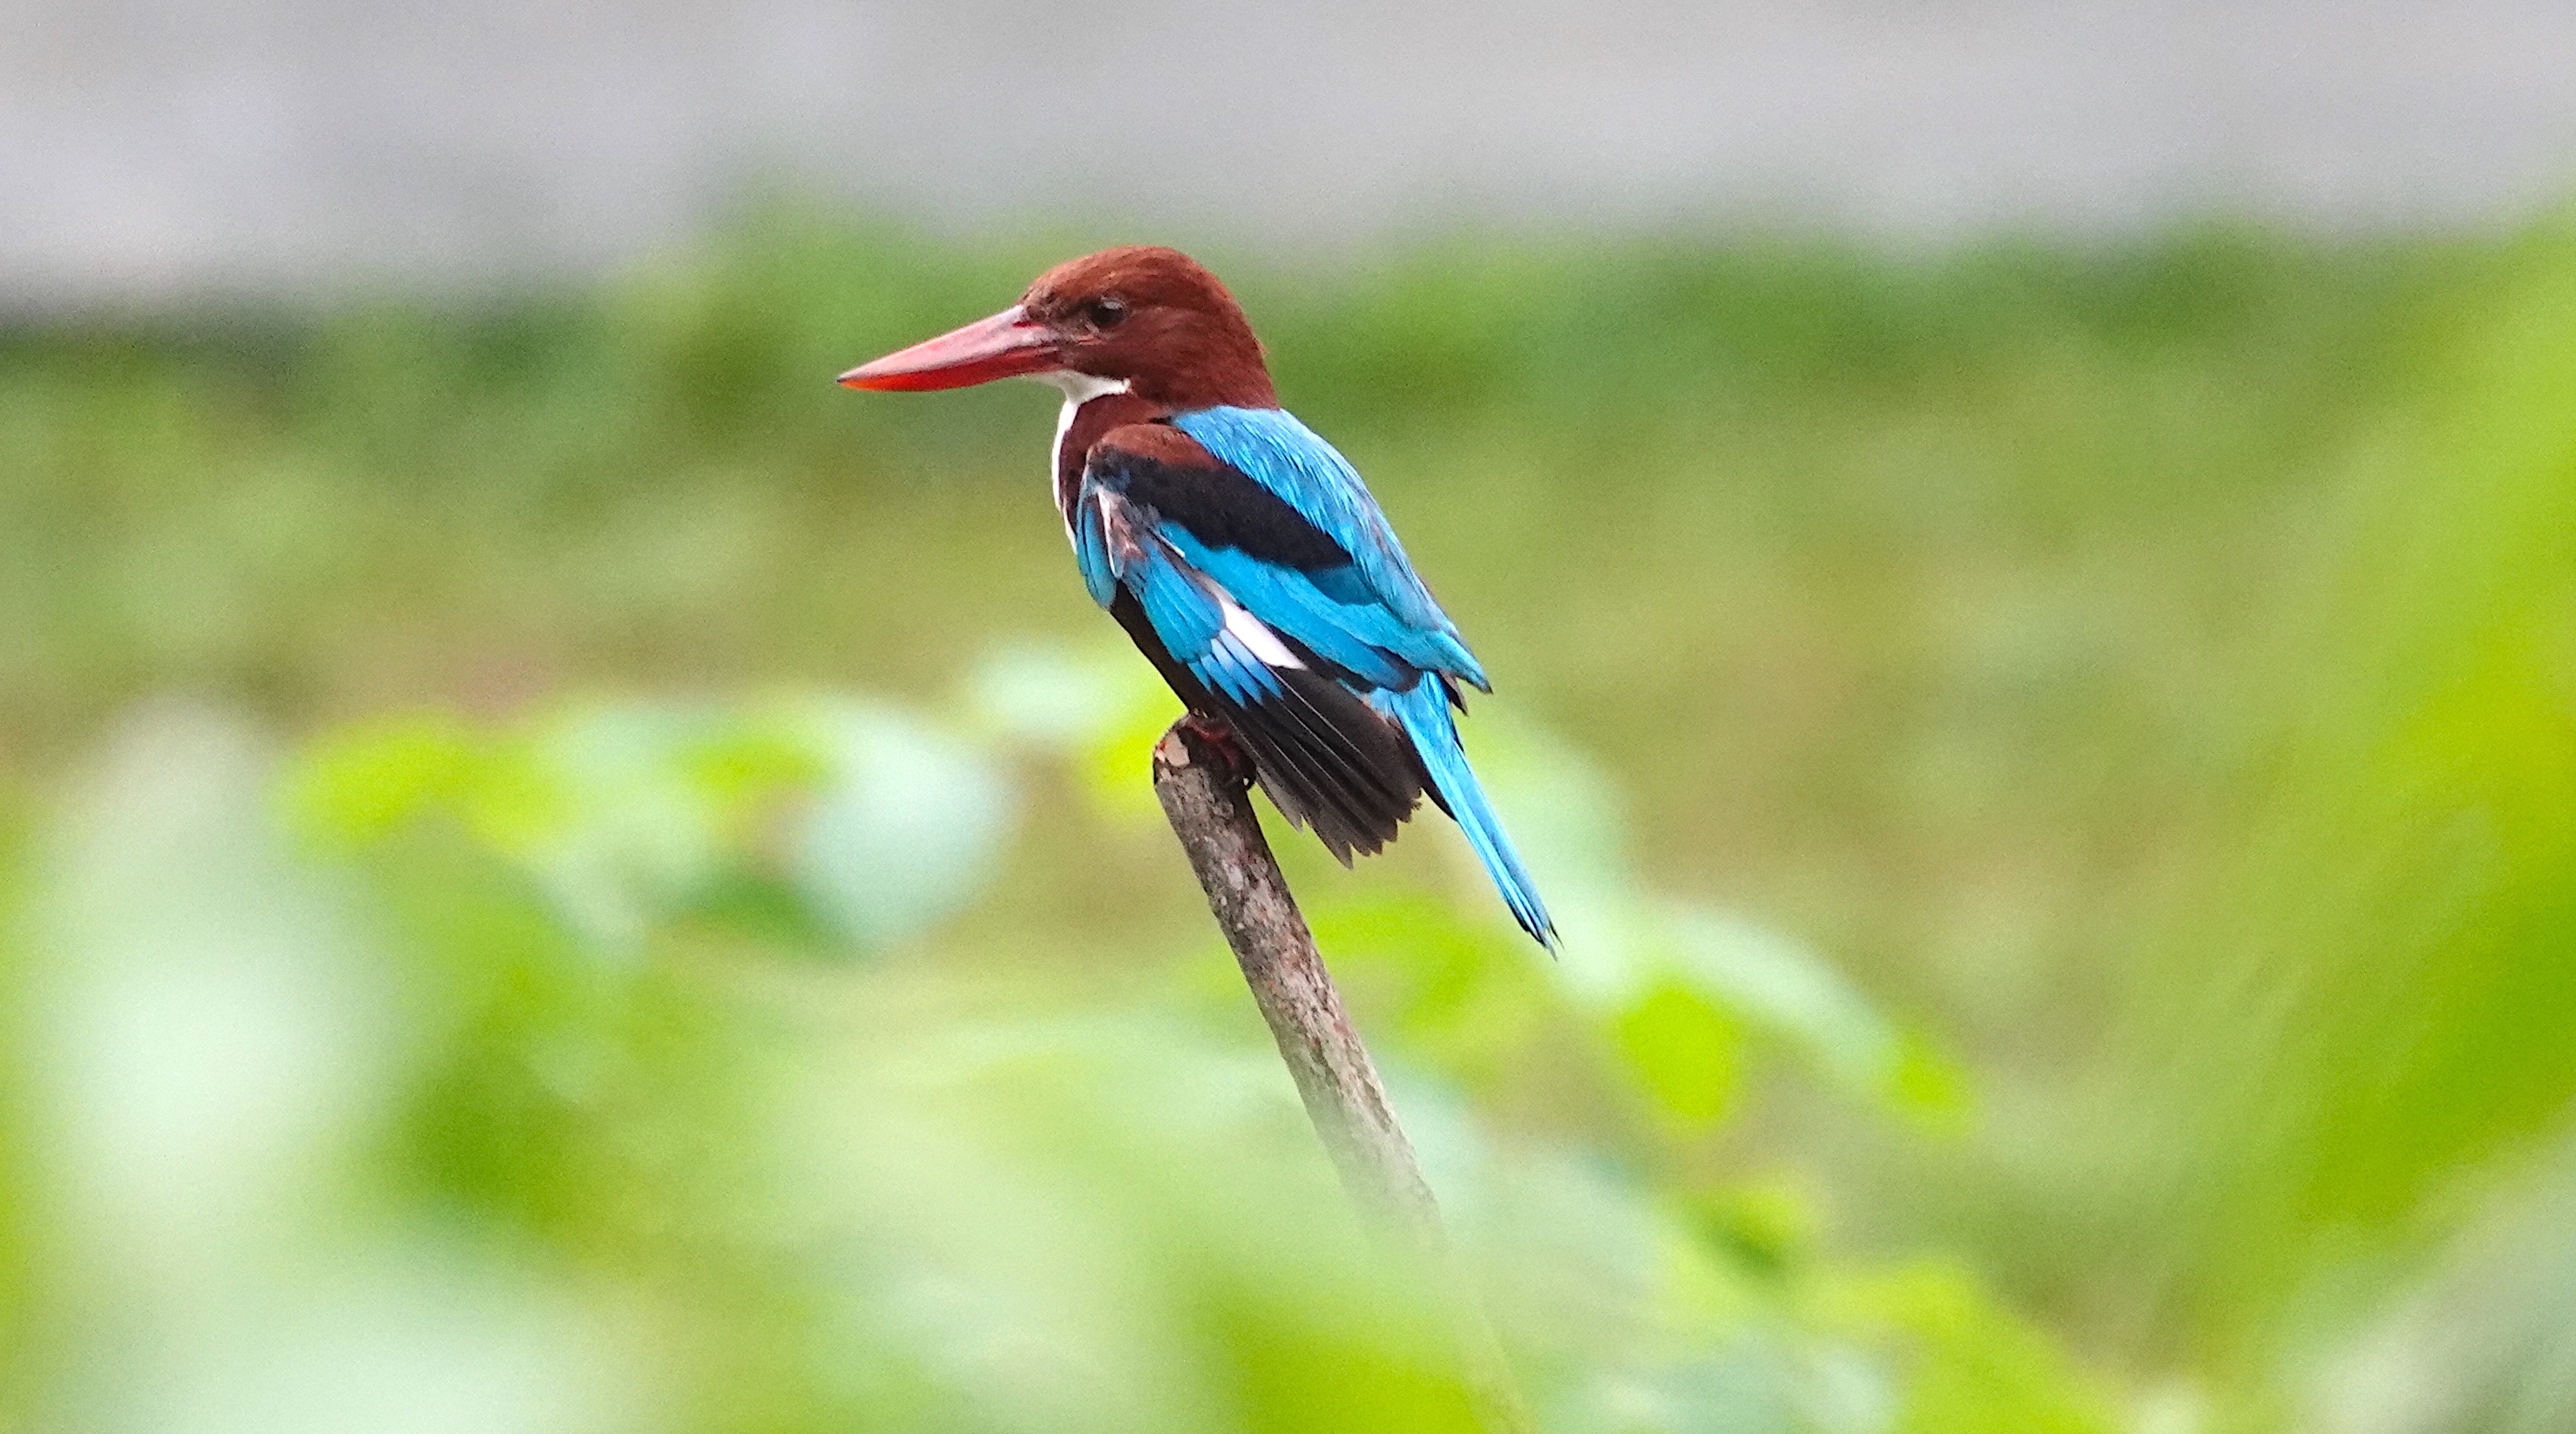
(1205,788)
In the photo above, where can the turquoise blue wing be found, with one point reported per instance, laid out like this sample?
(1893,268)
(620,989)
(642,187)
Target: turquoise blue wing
(1317,644)
(1294,464)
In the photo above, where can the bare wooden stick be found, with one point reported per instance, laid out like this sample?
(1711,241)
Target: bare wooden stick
(1207,797)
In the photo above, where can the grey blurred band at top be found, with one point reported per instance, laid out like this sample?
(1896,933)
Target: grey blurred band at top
(155,149)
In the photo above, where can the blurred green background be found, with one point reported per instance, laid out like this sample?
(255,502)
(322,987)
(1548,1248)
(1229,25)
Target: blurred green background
(564,874)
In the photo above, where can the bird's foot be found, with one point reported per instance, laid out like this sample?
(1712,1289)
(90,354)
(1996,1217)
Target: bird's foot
(1221,739)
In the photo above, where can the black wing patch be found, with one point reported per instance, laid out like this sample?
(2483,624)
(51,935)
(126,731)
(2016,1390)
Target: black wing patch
(1218,503)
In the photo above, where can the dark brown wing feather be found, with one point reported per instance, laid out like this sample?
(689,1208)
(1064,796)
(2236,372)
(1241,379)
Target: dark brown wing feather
(1327,759)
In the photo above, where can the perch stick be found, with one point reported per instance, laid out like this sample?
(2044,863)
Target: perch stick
(1206,795)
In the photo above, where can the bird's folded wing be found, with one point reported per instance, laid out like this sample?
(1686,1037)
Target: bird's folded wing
(1294,463)
(1286,600)
(1216,582)
(1270,558)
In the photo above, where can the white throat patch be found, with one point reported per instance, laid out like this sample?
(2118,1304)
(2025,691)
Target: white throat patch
(1082,388)
(1078,389)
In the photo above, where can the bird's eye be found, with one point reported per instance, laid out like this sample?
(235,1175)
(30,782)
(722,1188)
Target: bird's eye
(1105,313)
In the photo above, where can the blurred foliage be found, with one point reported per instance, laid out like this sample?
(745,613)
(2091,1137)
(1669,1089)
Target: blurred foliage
(542,897)
(560,1019)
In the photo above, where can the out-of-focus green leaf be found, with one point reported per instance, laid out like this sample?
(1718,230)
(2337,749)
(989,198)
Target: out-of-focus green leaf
(1057,696)
(638,837)
(1115,769)
(1451,988)
(1685,1052)
(1748,1387)
(361,783)
(1793,993)
(364,781)
(1100,708)
(633,815)
(909,824)
(1644,963)
(740,767)
(1965,1365)
(1785,986)
(1770,1225)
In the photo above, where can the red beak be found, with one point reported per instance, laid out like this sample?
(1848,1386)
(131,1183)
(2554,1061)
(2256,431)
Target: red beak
(1003,346)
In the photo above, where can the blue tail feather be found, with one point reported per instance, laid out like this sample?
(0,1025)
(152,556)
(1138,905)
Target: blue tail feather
(1424,715)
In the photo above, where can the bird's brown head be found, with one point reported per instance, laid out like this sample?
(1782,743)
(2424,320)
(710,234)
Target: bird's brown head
(1150,318)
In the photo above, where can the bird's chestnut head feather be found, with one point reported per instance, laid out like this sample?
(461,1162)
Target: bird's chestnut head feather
(1151,318)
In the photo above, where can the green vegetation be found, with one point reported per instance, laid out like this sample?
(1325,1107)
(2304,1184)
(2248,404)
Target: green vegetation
(567,873)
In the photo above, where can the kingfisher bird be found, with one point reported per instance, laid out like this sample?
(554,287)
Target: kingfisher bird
(1238,549)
